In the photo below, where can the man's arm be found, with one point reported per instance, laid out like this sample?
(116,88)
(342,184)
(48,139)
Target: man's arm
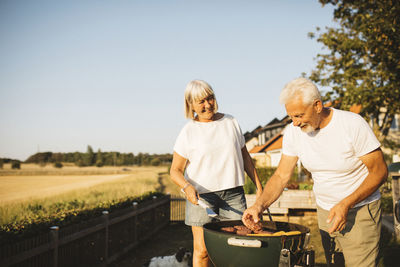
(273,188)
(377,176)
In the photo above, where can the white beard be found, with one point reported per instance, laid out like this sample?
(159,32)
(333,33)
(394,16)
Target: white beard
(307,128)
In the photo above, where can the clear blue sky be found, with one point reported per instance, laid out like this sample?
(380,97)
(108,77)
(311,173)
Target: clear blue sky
(111,74)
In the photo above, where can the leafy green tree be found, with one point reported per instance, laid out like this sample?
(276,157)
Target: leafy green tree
(40,158)
(362,65)
(99,159)
(129,159)
(57,157)
(120,159)
(155,162)
(139,159)
(89,159)
(77,158)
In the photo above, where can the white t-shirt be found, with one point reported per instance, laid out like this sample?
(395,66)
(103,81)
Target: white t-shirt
(213,150)
(332,156)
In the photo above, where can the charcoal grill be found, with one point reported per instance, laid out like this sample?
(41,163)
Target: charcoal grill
(232,250)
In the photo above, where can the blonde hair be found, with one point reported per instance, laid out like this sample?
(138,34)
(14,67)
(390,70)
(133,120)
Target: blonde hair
(306,88)
(196,90)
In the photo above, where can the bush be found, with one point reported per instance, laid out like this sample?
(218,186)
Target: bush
(155,162)
(1,163)
(249,187)
(15,164)
(58,165)
(68,214)
(387,203)
(264,174)
(305,186)
(99,163)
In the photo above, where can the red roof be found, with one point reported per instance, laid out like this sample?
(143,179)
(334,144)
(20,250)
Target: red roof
(272,144)
(356,108)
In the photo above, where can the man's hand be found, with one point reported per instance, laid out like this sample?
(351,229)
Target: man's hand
(252,215)
(338,214)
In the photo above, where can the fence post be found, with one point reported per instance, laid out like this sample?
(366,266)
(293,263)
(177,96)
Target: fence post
(155,221)
(394,171)
(54,239)
(106,226)
(169,207)
(135,236)
(396,199)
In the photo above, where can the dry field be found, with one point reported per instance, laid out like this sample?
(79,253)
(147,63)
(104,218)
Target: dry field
(16,188)
(35,190)
(67,169)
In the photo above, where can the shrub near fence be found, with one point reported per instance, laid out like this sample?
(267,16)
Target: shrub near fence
(95,242)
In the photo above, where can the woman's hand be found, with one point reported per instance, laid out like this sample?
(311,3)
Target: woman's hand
(259,192)
(191,194)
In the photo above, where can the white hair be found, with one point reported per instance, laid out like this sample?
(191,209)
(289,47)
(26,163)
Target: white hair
(196,90)
(300,87)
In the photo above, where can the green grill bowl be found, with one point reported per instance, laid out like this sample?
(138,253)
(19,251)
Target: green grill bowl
(231,250)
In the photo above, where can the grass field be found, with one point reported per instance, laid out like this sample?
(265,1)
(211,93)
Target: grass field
(47,190)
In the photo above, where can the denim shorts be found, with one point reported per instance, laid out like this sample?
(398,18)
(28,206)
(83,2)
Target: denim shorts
(229,203)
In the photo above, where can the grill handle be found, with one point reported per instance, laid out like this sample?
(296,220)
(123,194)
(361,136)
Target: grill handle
(248,243)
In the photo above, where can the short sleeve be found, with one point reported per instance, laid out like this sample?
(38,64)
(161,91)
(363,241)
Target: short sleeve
(363,138)
(181,143)
(288,143)
(241,140)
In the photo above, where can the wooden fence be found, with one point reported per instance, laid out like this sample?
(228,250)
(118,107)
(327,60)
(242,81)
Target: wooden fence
(96,242)
(177,208)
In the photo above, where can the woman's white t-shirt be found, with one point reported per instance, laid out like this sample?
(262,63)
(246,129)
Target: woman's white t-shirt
(213,151)
(332,154)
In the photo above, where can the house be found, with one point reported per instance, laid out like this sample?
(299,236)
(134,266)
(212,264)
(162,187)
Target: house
(265,143)
(268,154)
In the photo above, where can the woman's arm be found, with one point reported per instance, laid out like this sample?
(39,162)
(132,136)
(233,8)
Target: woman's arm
(251,170)
(177,175)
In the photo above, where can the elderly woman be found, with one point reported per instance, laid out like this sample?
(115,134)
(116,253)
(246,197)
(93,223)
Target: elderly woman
(209,160)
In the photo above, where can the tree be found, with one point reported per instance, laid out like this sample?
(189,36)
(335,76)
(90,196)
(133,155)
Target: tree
(363,63)
(78,159)
(155,162)
(58,164)
(99,159)
(1,163)
(89,159)
(15,164)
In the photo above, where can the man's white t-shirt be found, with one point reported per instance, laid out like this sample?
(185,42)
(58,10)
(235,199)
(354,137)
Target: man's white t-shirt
(213,151)
(332,154)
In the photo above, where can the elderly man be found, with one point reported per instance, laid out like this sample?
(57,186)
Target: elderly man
(342,153)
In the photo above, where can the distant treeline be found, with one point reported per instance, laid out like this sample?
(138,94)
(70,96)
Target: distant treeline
(99,158)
